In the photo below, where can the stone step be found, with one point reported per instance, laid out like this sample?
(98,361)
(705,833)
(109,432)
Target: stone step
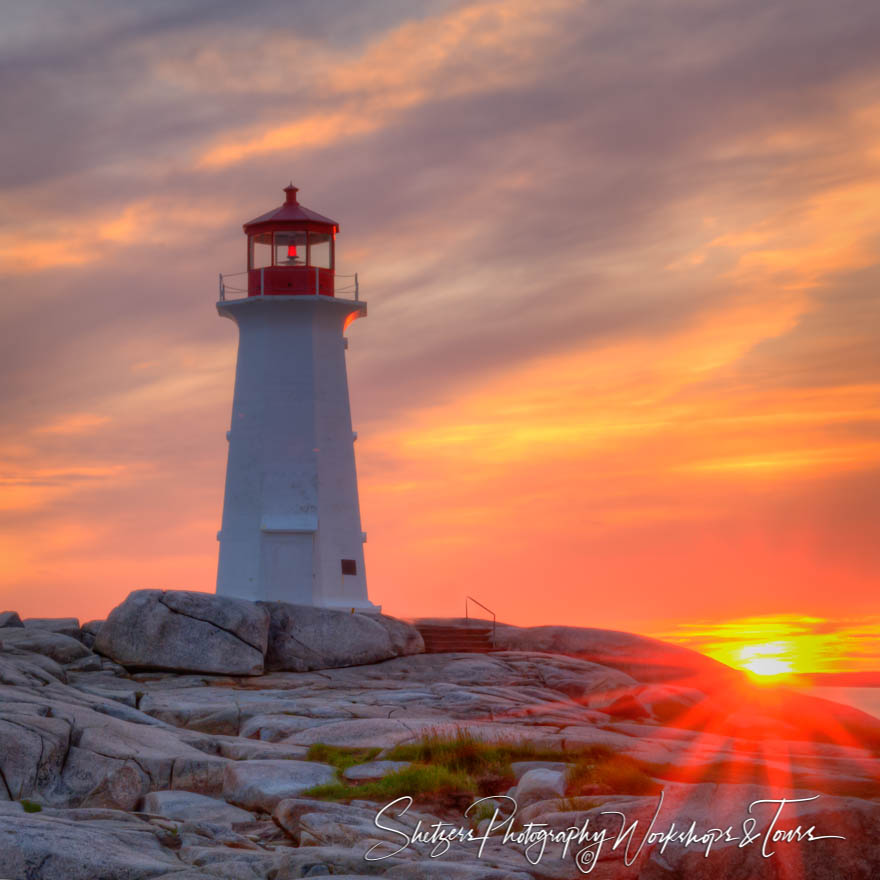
(444,639)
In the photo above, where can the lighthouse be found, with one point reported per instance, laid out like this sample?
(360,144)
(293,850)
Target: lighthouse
(291,528)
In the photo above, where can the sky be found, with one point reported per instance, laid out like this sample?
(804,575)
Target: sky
(622,260)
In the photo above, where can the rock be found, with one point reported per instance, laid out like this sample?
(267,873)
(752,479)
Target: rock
(231,864)
(67,626)
(539,784)
(85,743)
(339,860)
(121,789)
(32,752)
(445,870)
(272,728)
(92,627)
(324,823)
(644,658)
(52,848)
(405,638)
(84,772)
(661,702)
(102,739)
(23,669)
(203,774)
(373,770)
(187,806)
(302,638)
(89,631)
(10,618)
(186,632)
(520,768)
(58,647)
(364,733)
(247,750)
(856,857)
(91,663)
(261,785)
(193,874)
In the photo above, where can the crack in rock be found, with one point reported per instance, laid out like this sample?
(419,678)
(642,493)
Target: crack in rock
(212,623)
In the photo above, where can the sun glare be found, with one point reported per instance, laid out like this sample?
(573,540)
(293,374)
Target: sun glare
(768,666)
(766,659)
(806,645)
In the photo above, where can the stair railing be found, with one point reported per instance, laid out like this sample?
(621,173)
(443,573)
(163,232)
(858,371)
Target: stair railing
(472,599)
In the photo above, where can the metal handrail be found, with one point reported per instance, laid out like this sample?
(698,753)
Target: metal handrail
(352,285)
(472,599)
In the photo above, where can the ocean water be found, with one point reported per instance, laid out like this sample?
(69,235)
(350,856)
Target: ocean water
(865,698)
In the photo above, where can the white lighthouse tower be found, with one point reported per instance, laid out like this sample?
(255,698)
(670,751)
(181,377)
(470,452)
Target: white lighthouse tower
(291,520)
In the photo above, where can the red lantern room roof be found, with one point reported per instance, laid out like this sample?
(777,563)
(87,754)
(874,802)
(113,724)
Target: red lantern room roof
(291,215)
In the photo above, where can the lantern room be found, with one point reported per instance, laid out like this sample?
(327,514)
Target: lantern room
(291,251)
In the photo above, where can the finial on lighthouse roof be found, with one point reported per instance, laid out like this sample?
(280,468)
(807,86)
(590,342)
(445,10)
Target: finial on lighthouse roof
(291,192)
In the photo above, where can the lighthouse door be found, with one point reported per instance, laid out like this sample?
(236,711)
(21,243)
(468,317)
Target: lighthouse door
(287,569)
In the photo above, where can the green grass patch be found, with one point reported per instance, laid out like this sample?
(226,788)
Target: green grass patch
(468,754)
(463,765)
(415,780)
(338,757)
(31,806)
(623,775)
(577,804)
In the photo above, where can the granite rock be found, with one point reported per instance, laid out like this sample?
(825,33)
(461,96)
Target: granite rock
(302,637)
(186,632)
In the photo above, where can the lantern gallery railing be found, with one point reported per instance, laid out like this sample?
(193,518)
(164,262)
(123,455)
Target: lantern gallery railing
(342,285)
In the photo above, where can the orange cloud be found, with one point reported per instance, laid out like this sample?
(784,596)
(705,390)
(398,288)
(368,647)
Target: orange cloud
(436,58)
(77,423)
(87,237)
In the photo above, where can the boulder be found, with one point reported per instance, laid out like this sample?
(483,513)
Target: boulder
(187,806)
(22,669)
(643,658)
(302,637)
(89,632)
(520,768)
(202,774)
(67,626)
(540,784)
(405,638)
(186,632)
(273,728)
(32,752)
(52,848)
(121,789)
(353,823)
(338,861)
(364,733)
(10,618)
(248,750)
(262,785)
(58,647)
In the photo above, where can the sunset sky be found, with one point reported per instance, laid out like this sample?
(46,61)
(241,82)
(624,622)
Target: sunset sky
(622,259)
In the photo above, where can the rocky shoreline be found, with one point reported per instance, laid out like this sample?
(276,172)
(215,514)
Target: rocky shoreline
(179,739)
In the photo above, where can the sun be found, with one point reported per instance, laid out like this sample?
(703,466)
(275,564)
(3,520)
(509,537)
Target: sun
(768,666)
(769,659)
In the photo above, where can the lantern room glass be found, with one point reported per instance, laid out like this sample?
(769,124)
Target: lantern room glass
(321,250)
(260,251)
(291,248)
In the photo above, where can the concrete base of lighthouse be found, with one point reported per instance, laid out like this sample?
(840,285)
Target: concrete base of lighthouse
(291,518)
